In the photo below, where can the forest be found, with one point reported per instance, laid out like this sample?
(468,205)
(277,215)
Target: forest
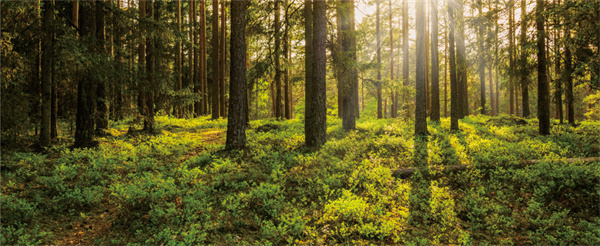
(319,122)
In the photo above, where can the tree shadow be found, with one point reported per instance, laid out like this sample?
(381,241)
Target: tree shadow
(420,195)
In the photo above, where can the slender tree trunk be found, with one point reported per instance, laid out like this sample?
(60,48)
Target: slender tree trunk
(461,62)
(195,78)
(435,64)
(316,127)
(86,88)
(203,70)
(151,70)
(405,57)
(511,51)
(420,102)
(75,13)
(524,71)
(394,109)
(277,53)
(496,61)
(308,66)
(47,50)
(557,70)
(178,77)
(569,75)
(286,52)
(543,97)
(236,123)
(215,60)
(454,102)
(101,90)
(222,60)
(481,59)
(378,83)
(427,61)
(446,71)
(349,71)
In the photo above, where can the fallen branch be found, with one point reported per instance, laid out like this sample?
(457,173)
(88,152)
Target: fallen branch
(407,172)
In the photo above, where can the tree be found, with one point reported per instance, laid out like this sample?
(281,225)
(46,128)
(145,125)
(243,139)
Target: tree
(308,63)
(286,74)
(461,62)
(47,54)
(557,68)
(569,73)
(543,97)
(511,55)
(177,111)
(378,83)
(148,102)
(316,117)
(394,93)
(236,123)
(454,102)
(86,87)
(278,100)
(420,103)
(349,71)
(101,91)
(435,64)
(481,58)
(222,59)
(405,55)
(215,62)
(524,71)
(202,65)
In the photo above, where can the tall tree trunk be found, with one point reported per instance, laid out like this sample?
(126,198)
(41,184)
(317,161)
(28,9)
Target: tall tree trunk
(497,67)
(277,53)
(569,75)
(435,64)
(524,71)
(86,88)
(394,109)
(316,127)
(543,97)
(202,74)
(349,71)
(511,55)
(178,75)
(378,83)
(405,57)
(446,70)
(101,90)
(236,123)
(286,52)
(454,101)
(420,102)
(196,54)
(557,70)
(427,62)
(481,59)
(151,73)
(215,60)
(308,63)
(462,62)
(47,50)
(75,13)
(222,60)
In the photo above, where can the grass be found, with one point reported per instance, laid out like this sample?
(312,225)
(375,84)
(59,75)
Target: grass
(180,187)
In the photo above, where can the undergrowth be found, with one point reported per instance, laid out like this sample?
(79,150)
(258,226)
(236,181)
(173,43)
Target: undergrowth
(179,186)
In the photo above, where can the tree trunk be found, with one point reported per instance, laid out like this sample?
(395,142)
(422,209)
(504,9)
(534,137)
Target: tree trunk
(557,70)
(405,56)
(461,63)
(511,51)
(394,109)
(435,64)
(236,123)
(47,50)
(349,71)
(569,76)
(101,90)
(222,60)
(308,64)
(195,79)
(454,102)
(420,102)
(316,127)
(178,63)
(202,70)
(481,60)
(378,83)
(446,70)
(215,60)
(543,97)
(278,95)
(86,88)
(286,55)
(524,71)
(151,73)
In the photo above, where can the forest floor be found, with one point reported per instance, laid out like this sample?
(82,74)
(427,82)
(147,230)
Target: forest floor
(179,186)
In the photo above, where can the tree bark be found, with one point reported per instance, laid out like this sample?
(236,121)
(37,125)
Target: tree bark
(349,71)
(316,127)
(569,75)
(308,64)
(481,59)
(454,102)
(420,102)
(435,64)
(405,57)
(215,60)
(277,54)
(394,109)
(101,90)
(557,70)
(543,97)
(222,60)
(47,50)
(151,75)
(511,51)
(203,70)
(86,88)
(378,83)
(524,71)
(461,62)
(236,123)
(286,72)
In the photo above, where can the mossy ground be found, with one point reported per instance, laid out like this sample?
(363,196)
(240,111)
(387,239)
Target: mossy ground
(179,187)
